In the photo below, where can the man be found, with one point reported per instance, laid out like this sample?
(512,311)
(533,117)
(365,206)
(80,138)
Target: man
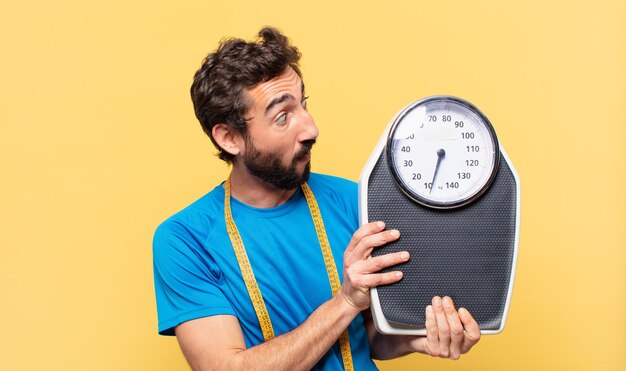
(244,275)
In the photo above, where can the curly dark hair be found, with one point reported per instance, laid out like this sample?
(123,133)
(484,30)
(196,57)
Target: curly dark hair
(218,89)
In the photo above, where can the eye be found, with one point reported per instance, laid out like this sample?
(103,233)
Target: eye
(281,119)
(303,102)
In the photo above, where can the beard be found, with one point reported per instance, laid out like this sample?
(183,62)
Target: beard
(268,166)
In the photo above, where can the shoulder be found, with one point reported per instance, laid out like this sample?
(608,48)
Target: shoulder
(331,183)
(339,192)
(191,225)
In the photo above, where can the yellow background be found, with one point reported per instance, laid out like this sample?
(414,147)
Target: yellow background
(99,143)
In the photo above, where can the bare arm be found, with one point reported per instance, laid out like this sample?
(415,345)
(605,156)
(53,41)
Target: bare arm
(217,343)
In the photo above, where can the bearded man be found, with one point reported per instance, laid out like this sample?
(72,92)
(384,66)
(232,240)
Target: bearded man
(270,270)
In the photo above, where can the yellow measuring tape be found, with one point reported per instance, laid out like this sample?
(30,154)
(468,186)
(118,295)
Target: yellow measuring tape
(253,287)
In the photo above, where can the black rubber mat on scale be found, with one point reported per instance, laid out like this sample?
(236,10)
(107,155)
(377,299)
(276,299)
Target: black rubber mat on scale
(464,253)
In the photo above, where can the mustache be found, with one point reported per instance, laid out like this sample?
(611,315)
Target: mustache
(306,148)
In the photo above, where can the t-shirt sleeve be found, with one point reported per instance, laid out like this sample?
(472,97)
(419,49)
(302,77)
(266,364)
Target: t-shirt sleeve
(187,284)
(345,195)
(353,202)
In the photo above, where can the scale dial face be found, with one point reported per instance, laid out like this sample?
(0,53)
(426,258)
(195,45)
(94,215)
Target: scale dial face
(443,152)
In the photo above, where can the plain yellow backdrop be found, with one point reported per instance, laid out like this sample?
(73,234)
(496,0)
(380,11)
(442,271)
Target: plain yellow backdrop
(99,144)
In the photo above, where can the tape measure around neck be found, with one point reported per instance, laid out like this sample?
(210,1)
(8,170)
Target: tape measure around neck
(253,287)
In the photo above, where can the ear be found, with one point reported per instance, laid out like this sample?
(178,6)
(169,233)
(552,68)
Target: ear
(227,139)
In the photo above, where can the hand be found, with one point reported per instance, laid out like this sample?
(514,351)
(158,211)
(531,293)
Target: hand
(359,270)
(449,333)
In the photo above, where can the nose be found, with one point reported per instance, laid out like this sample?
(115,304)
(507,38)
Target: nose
(309,130)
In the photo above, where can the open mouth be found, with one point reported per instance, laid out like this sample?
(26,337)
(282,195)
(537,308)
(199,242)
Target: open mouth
(305,151)
(303,156)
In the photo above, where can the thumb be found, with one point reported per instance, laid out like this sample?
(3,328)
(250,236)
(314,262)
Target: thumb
(419,344)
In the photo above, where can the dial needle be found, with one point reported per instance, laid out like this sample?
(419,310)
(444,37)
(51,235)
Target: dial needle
(440,154)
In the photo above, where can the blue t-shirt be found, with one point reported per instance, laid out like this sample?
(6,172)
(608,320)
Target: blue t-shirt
(196,273)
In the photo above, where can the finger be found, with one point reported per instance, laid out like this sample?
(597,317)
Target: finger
(364,248)
(442,327)
(472,331)
(363,231)
(377,279)
(377,263)
(432,333)
(456,328)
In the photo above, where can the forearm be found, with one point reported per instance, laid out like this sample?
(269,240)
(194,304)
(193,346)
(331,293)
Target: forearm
(303,347)
(385,347)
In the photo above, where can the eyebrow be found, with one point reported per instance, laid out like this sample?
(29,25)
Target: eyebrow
(278,100)
(281,99)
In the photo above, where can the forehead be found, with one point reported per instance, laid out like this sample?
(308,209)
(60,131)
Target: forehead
(287,83)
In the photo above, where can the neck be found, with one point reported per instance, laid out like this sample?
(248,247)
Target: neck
(252,191)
